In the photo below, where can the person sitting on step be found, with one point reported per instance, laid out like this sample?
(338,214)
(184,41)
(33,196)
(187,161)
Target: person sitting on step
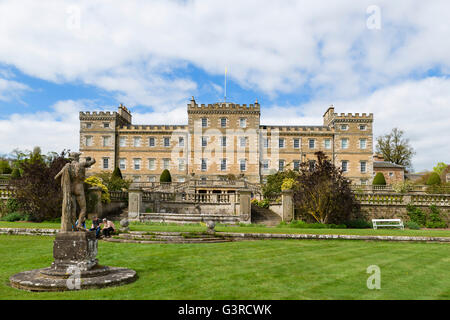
(108,228)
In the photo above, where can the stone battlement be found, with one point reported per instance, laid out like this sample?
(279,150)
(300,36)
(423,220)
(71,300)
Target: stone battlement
(296,128)
(353,116)
(98,114)
(168,128)
(221,106)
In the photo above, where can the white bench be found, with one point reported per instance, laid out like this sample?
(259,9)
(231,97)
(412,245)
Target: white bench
(387,223)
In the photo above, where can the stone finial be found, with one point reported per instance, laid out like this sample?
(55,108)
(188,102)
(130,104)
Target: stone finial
(210,226)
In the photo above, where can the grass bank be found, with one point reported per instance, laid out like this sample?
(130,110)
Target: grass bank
(268,269)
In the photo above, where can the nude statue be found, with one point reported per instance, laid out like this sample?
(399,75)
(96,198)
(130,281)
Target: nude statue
(72,177)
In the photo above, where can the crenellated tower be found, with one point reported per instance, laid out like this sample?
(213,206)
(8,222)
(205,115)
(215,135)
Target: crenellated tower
(98,136)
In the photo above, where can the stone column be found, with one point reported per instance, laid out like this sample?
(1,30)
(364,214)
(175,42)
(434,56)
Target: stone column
(233,203)
(245,208)
(134,204)
(95,193)
(287,202)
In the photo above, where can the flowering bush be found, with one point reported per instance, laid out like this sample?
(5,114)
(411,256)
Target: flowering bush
(288,184)
(95,181)
(402,187)
(262,204)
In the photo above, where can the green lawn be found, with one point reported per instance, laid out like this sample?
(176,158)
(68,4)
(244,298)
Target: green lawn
(265,269)
(249,229)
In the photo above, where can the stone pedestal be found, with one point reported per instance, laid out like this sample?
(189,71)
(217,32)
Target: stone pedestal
(287,200)
(75,249)
(245,208)
(75,267)
(134,204)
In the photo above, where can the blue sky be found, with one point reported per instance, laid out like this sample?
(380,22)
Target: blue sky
(295,57)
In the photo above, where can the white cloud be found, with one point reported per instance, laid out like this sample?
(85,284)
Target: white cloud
(52,131)
(270,46)
(10,89)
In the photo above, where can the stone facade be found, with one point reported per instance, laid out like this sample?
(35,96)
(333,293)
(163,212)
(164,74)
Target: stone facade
(393,173)
(224,139)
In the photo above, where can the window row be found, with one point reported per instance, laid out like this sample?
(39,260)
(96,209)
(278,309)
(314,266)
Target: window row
(311,163)
(154,179)
(151,164)
(224,122)
(89,125)
(150,141)
(243,142)
(312,143)
(344,127)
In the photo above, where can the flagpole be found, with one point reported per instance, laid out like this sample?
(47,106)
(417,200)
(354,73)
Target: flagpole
(225,97)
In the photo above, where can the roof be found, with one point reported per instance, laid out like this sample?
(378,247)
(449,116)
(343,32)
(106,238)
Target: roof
(386,164)
(414,176)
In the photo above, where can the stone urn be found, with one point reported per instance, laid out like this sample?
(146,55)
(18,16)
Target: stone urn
(210,225)
(124,224)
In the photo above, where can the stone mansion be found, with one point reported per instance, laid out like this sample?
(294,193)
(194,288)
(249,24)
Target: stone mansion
(224,139)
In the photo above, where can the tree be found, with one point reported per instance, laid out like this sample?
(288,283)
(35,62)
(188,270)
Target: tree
(440,167)
(324,192)
(117,174)
(165,176)
(395,148)
(114,182)
(434,179)
(15,174)
(37,191)
(4,167)
(272,187)
(379,179)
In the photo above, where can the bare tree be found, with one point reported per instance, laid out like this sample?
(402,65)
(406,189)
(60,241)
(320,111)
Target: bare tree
(395,148)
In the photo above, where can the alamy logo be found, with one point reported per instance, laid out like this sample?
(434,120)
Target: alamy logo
(374,281)
(374,20)
(73,21)
(74,281)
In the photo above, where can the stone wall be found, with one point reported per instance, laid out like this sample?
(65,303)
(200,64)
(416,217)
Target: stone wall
(191,207)
(396,212)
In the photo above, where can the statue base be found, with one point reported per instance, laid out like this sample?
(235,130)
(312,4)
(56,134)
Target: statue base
(75,267)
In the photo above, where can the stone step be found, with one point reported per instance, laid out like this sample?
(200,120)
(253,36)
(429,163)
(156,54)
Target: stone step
(167,237)
(166,240)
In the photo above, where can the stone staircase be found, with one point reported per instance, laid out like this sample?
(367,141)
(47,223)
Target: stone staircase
(167,237)
(265,216)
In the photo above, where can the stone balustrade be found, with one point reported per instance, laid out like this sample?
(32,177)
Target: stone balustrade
(5,194)
(440,200)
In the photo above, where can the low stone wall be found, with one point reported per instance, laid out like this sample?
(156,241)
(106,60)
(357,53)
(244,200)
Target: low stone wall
(29,231)
(331,237)
(188,218)
(396,212)
(277,208)
(114,208)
